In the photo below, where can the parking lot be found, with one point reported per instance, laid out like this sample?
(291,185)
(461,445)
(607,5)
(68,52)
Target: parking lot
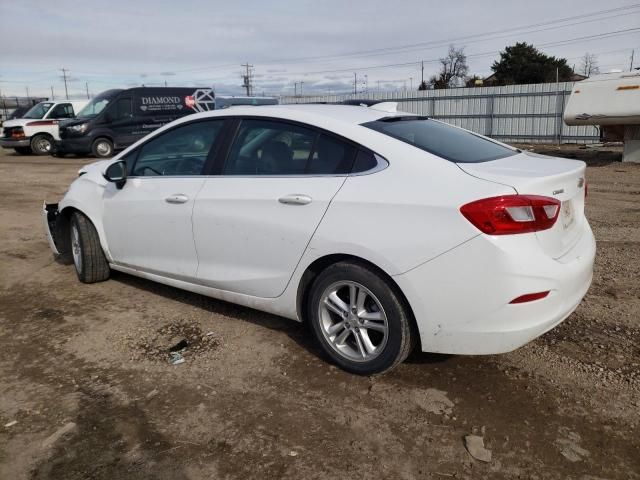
(87,390)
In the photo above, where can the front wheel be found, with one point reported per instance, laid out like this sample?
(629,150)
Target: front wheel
(88,257)
(41,144)
(359,319)
(102,148)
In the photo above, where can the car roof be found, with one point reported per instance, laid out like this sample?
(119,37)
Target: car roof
(311,113)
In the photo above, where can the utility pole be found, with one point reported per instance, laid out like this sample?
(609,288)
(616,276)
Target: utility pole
(295,89)
(247,78)
(27,88)
(86,86)
(355,83)
(64,76)
(411,83)
(631,63)
(52,95)
(422,77)
(301,82)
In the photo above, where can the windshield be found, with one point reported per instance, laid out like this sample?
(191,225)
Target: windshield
(93,108)
(39,110)
(445,141)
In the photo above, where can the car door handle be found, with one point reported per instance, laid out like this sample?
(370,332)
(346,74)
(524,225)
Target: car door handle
(295,199)
(177,198)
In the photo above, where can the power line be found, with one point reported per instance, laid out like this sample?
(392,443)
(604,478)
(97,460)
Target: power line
(484,54)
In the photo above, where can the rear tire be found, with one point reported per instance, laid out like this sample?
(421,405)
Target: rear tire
(88,258)
(23,150)
(102,148)
(360,319)
(41,144)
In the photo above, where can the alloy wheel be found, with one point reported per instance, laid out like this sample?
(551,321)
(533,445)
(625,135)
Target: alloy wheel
(353,321)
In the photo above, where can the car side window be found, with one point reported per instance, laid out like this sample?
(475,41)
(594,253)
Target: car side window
(331,156)
(267,147)
(179,152)
(62,110)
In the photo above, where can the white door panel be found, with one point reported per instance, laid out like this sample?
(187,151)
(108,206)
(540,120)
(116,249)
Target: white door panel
(250,232)
(148,224)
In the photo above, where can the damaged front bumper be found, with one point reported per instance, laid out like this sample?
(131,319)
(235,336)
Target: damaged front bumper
(50,219)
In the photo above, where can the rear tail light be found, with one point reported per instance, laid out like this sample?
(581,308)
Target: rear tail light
(511,214)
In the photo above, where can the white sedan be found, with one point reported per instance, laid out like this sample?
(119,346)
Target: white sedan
(382,230)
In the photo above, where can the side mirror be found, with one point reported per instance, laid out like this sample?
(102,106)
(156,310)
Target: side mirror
(117,173)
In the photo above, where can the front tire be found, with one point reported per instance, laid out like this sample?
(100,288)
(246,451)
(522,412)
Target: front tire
(359,319)
(102,148)
(41,144)
(88,257)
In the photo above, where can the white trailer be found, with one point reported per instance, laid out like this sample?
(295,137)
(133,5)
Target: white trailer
(611,101)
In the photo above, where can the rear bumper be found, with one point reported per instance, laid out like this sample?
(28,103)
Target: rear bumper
(49,219)
(11,143)
(461,299)
(73,145)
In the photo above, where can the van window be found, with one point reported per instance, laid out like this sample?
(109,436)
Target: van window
(445,141)
(93,108)
(62,110)
(123,109)
(181,151)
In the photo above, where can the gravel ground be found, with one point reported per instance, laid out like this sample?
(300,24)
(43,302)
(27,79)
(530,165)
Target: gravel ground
(87,391)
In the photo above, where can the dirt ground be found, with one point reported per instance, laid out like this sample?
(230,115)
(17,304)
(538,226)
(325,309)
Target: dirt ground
(87,391)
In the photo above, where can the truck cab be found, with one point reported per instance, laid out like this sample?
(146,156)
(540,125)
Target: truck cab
(37,130)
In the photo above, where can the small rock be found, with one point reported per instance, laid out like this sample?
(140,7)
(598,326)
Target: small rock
(11,423)
(293,453)
(475,446)
(152,394)
(53,438)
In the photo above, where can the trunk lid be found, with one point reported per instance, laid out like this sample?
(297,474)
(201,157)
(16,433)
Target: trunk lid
(534,174)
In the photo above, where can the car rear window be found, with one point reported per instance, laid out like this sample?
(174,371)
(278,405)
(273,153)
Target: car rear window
(445,141)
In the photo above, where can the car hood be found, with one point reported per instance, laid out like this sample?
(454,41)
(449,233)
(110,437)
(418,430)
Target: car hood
(17,122)
(73,121)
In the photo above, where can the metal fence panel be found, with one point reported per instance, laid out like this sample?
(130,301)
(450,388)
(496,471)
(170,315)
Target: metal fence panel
(512,113)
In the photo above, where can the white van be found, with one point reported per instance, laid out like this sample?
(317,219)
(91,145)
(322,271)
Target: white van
(36,131)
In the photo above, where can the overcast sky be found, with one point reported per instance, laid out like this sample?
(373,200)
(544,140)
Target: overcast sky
(123,43)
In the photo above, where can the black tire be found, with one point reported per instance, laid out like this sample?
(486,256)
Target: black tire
(23,150)
(400,332)
(88,257)
(41,144)
(102,148)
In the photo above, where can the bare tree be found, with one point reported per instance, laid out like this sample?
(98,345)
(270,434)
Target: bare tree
(454,69)
(589,65)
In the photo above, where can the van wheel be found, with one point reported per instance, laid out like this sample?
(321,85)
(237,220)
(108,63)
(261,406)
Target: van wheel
(41,144)
(102,148)
(23,150)
(359,319)
(88,257)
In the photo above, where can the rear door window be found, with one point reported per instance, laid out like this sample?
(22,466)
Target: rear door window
(445,141)
(267,147)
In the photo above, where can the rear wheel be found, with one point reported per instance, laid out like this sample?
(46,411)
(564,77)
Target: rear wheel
(359,319)
(41,144)
(88,257)
(102,148)
(23,150)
